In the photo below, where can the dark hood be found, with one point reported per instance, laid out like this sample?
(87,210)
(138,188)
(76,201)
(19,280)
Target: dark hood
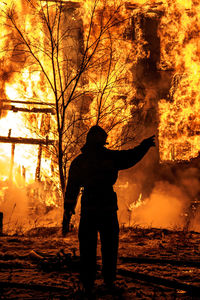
(95,140)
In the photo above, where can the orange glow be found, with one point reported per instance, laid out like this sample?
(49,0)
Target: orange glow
(179,130)
(183,57)
(109,80)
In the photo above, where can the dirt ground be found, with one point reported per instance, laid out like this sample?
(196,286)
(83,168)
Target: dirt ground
(152,264)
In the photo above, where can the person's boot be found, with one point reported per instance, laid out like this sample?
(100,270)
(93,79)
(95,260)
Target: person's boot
(113,289)
(87,291)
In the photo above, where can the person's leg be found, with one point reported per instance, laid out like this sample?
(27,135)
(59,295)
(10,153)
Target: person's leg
(88,245)
(109,234)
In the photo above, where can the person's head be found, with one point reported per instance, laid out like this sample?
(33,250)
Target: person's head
(96,136)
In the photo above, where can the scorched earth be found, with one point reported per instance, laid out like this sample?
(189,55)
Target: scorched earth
(153,264)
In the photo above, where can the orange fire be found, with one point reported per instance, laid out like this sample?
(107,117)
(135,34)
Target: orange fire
(179,129)
(110,81)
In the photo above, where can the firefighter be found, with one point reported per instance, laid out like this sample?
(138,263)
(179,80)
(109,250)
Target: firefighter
(95,170)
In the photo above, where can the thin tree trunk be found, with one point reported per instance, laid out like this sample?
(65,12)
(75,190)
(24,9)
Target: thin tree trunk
(60,165)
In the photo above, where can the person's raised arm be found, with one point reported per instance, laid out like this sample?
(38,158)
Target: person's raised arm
(128,158)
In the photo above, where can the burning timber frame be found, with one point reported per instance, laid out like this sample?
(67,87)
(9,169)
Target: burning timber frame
(25,109)
(27,141)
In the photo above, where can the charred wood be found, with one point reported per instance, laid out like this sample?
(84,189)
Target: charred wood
(38,168)
(189,288)
(39,287)
(147,260)
(27,102)
(12,159)
(28,110)
(19,140)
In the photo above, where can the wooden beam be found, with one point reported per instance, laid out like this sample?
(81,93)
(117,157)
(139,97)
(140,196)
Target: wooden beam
(19,140)
(12,160)
(36,287)
(63,1)
(28,110)
(27,102)
(38,168)
(153,261)
(191,289)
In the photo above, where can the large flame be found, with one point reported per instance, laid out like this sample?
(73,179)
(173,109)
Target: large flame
(179,130)
(23,125)
(110,80)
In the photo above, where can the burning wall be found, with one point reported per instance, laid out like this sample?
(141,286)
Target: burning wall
(167,71)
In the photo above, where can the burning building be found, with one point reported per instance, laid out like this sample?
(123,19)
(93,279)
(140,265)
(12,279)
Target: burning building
(131,67)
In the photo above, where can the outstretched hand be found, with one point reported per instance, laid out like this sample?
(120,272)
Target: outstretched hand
(150,141)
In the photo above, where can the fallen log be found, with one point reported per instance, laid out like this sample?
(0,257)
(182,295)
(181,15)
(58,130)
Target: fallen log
(157,261)
(191,289)
(37,287)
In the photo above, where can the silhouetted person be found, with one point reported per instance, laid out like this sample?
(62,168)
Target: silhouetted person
(96,171)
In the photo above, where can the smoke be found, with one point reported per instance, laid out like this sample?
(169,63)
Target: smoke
(195,224)
(163,209)
(20,214)
(170,195)
(14,207)
(26,206)
(189,179)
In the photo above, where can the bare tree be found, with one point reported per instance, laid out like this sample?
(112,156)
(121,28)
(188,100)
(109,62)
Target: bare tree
(78,64)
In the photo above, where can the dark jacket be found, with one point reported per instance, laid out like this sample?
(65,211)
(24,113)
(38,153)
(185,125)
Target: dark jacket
(96,170)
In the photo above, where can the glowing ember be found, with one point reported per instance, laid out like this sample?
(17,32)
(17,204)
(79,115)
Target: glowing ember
(136,204)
